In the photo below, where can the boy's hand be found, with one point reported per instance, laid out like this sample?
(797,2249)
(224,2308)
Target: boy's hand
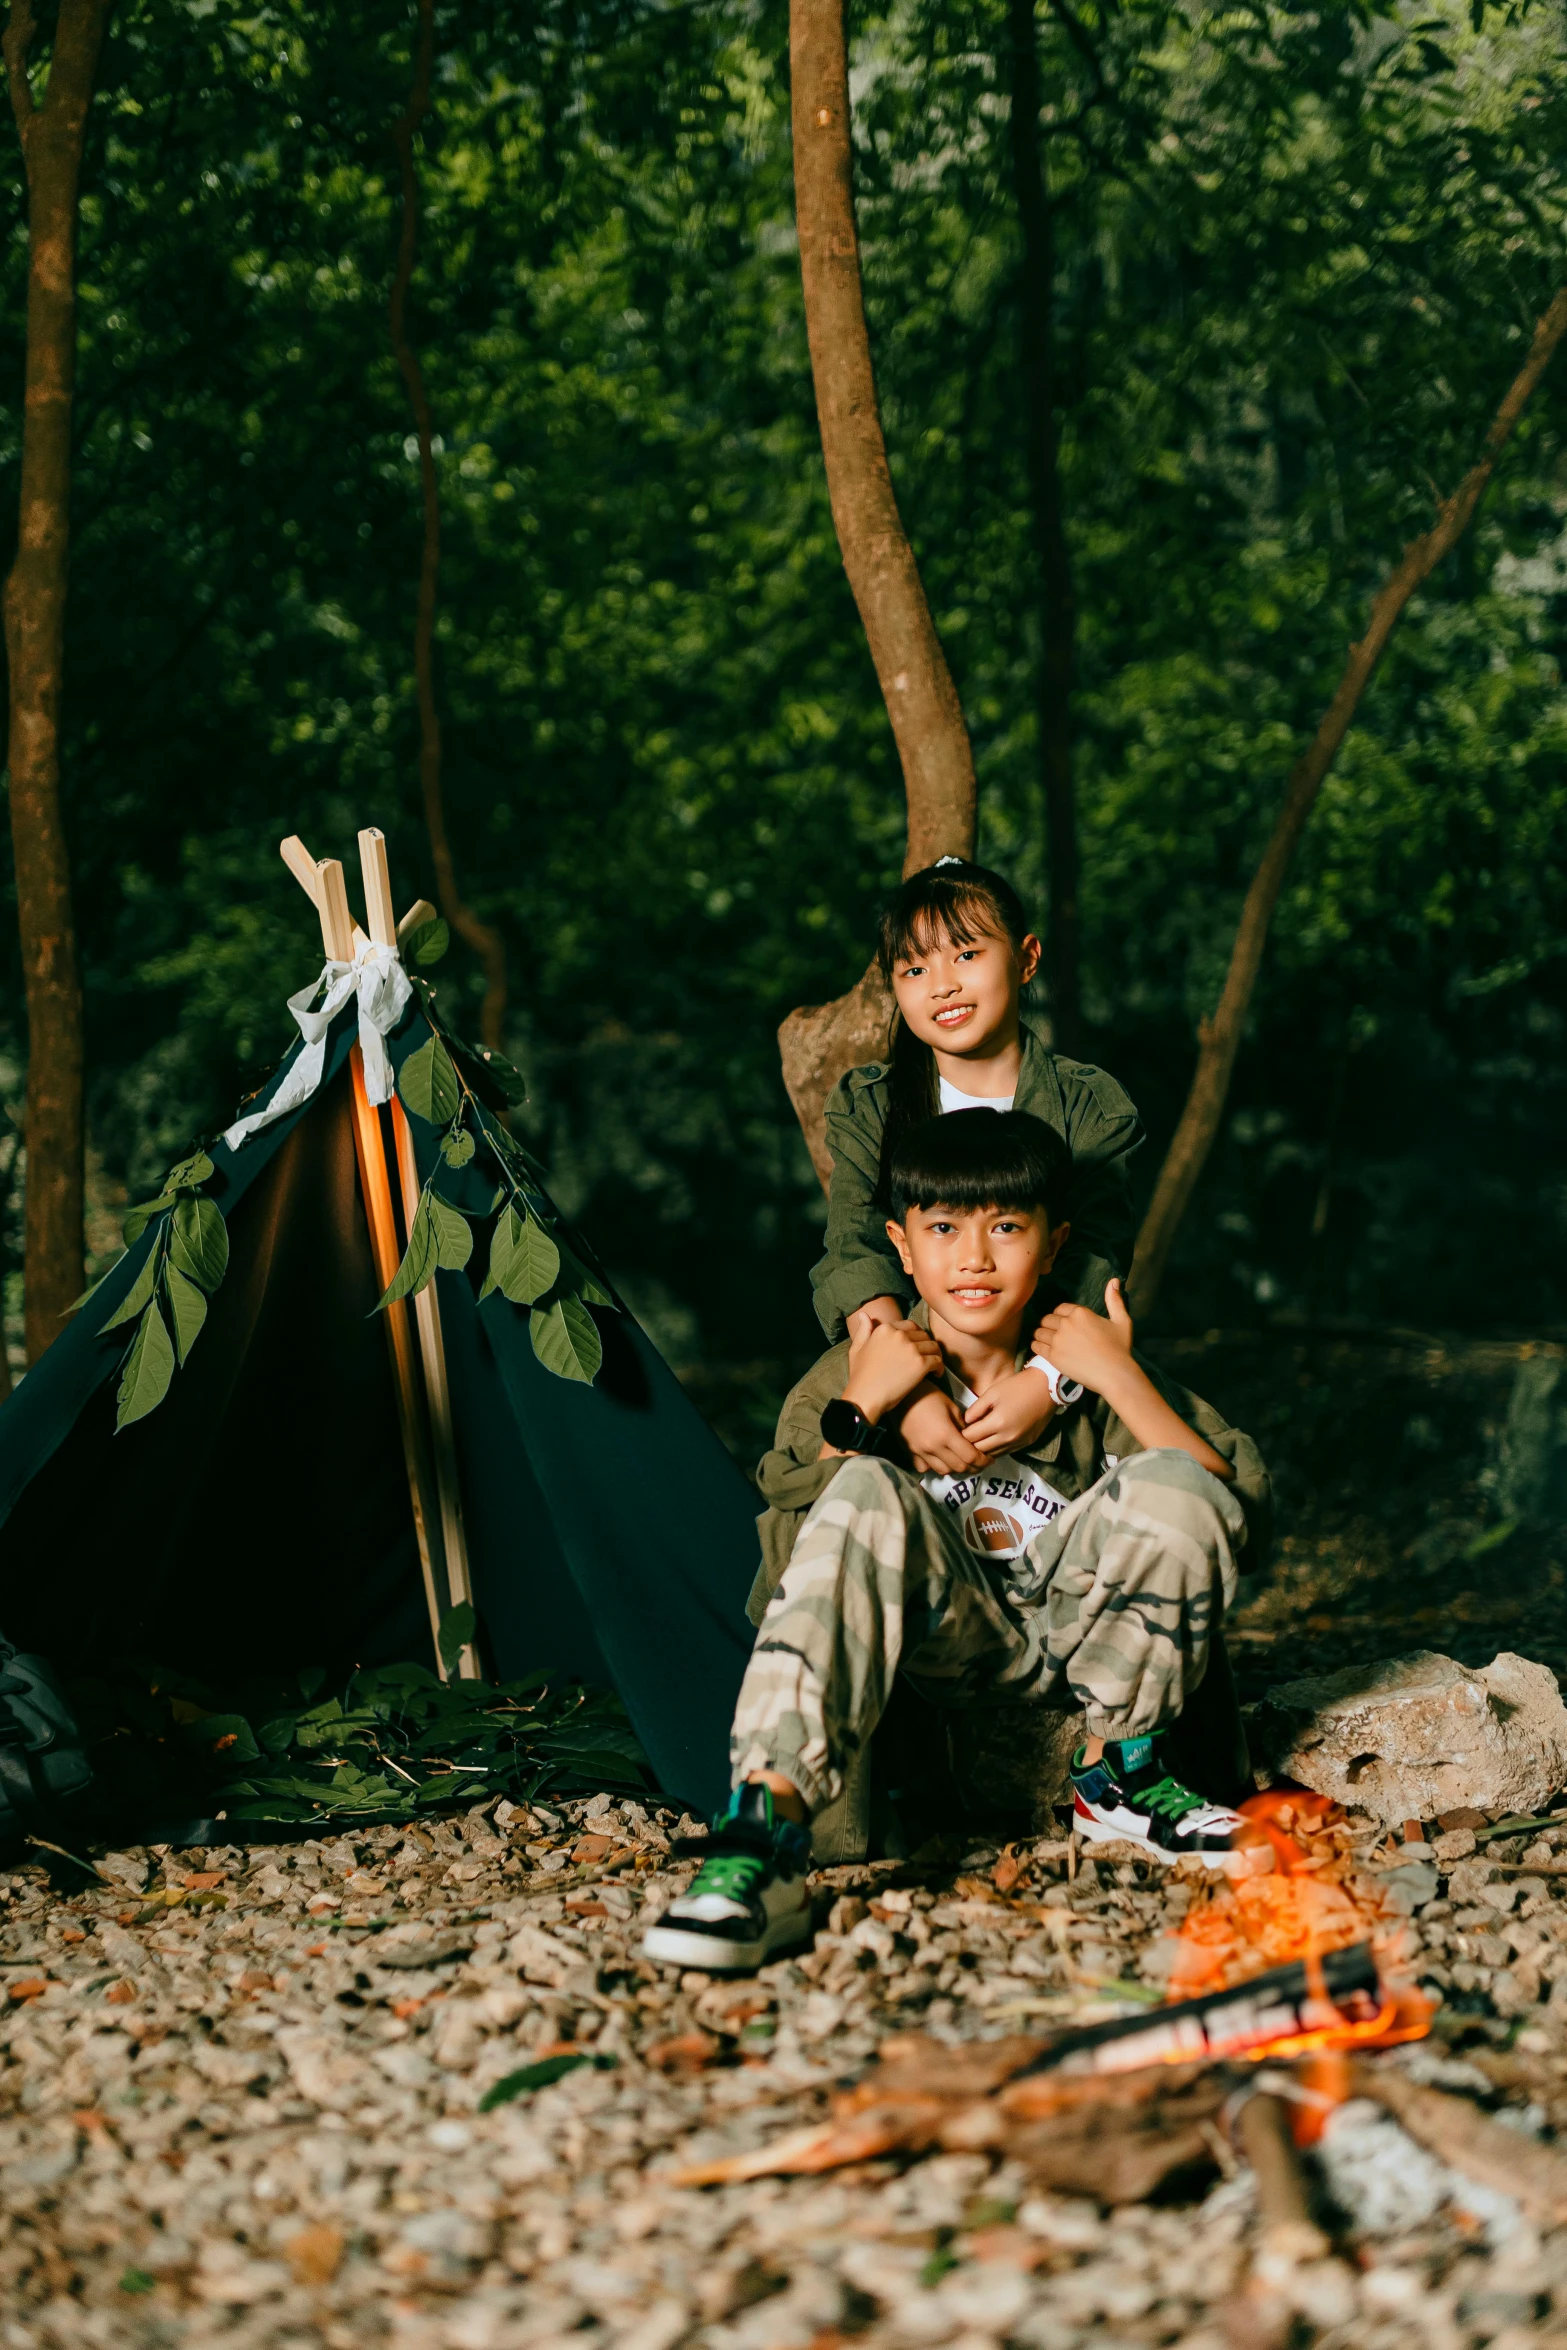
(1016,1411)
(932,1428)
(1095,1348)
(863,1320)
(887,1364)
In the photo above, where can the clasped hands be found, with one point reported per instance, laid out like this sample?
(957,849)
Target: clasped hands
(896,1363)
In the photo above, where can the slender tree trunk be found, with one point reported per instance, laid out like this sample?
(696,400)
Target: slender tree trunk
(1218,1039)
(1057,595)
(52,137)
(485,940)
(819,1042)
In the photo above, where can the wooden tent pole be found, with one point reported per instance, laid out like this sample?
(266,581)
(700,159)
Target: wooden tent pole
(324,887)
(427,1305)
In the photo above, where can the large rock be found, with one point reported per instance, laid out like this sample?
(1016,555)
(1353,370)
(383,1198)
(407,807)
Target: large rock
(1412,1736)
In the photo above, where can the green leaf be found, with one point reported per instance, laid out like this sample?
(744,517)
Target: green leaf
(456,1632)
(508,1082)
(524,1261)
(566,1340)
(137,1219)
(190,1174)
(457,1146)
(426,945)
(577,1281)
(199,1241)
(149,1367)
(211,1732)
(453,1234)
(428,1084)
(419,1258)
(277,1737)
(187,1310)
(137,1296)
(539,2076)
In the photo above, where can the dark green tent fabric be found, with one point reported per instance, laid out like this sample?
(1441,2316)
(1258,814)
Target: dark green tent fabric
(259,1517)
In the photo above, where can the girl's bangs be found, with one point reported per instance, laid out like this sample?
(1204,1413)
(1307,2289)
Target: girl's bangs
(961,915)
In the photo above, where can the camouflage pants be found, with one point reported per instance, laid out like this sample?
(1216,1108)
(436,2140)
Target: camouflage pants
(1118,1598)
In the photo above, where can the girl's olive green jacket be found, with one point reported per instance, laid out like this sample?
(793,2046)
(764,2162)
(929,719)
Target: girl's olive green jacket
(1088,1110)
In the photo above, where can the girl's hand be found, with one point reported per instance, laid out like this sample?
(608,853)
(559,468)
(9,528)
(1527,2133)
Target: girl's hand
(1095,1348)
(887,1364)
(932,1428)
(1016,1411)
(863,1320)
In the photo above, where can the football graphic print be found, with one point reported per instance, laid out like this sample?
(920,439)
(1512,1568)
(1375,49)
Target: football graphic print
(989,1528)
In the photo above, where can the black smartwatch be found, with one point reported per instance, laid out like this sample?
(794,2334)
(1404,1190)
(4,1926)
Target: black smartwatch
(844,1424)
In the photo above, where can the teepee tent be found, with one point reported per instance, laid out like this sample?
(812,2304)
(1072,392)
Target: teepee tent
(353,1379)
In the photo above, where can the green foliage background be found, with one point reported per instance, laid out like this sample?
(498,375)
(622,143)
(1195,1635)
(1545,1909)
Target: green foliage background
(1299,258)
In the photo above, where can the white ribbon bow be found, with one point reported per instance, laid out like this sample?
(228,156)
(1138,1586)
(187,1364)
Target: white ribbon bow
(379,981)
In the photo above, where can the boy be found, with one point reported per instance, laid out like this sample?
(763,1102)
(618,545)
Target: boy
(1103,1557)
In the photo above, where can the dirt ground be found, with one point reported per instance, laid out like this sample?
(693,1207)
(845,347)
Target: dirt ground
(269,2096)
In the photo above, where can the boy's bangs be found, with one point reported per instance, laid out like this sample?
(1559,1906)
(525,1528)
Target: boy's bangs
(960,1198)
(1000,1160)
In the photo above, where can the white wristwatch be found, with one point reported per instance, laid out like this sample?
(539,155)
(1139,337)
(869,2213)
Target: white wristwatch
(1062,1391)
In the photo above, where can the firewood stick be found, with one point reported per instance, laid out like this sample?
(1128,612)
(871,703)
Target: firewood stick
(1288,2230)
(1460,2134)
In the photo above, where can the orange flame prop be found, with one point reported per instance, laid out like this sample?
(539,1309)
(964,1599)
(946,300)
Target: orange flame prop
(1298,1899)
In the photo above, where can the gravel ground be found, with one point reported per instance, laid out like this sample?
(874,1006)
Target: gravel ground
(241,2102)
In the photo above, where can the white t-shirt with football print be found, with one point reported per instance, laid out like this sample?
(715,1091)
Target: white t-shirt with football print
(1000,1507)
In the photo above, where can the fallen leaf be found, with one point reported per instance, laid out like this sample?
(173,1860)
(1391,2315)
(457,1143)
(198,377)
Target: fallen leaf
(585,1906)
(32,1987)
(314,2254)
(1006,1872)
(1013,2247)
(205,1880)
(72,1934)
(591,1848)
(687,2053)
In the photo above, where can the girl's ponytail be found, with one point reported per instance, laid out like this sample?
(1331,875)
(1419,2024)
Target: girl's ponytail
(951,899)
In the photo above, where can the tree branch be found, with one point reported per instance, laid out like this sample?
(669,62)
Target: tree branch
(17,40)
(1219,1038)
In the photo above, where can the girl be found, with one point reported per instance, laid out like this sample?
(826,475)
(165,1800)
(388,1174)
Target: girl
(957,951)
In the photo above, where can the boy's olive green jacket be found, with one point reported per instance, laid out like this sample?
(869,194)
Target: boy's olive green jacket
(1088,1110)
(1071,1455)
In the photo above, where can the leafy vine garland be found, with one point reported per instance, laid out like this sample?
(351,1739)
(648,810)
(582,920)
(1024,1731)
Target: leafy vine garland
(530,1262)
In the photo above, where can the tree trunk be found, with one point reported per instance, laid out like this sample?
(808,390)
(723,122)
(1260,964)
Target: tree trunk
(1057,596)
(52,137)
(485,940)
(1218,1039)
(820,1042)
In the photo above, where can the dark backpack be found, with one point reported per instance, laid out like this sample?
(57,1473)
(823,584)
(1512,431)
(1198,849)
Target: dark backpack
(44,1771)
